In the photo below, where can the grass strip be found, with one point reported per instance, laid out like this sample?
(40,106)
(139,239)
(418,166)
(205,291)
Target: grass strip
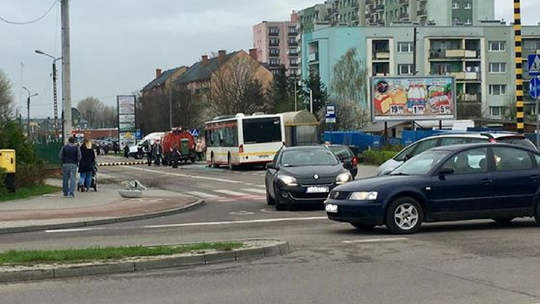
(23,193)
(21,257)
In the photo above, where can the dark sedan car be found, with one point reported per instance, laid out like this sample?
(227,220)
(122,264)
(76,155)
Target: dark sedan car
(303,175)
(344,153)
(462,182)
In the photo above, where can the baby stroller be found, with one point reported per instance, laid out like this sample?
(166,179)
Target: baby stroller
(94,183)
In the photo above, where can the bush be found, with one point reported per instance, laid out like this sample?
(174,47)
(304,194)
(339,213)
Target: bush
(3,189)
(372,157)
(29,176)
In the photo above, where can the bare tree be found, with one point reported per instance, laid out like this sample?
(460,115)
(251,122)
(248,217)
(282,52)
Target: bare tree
(235,89)
(6,98)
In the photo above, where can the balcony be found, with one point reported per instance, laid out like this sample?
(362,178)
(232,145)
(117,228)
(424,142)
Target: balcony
(293,54)
(470,97)
(273,54)
(404,2)
(382,55)
(273,43)
(293,43)
(422,13)
(454,54)
(294,64)
(273,34)
(293,33)
(463,76)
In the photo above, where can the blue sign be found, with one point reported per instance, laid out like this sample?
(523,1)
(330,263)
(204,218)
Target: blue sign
(533,63)
(138,134)
(534,87)
(330,113)
(195,133)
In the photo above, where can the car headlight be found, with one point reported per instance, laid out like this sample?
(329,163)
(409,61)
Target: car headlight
(363,196)
(343,178)
(288,180)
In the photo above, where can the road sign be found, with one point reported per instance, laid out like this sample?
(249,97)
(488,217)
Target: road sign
(138,134)
(330,113)
(534,64)
(195,133)
(534,87)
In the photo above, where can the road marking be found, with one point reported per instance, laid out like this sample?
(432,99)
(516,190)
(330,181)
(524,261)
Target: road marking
(275,220)
(200,194)
(376,240)
(260,191)
(188,176)
(233,193)
(241,213)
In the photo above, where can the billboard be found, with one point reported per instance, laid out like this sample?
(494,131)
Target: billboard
(413,98)
(126,118)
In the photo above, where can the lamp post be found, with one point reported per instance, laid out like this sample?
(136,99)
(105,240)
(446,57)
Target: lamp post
(28,109)
(55,94)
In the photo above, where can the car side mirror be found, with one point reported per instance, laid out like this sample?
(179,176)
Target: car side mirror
(271,166)
(347,164)
(446,171)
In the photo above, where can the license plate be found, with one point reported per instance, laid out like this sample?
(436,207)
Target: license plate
(264,156)
(330,208)
(317,190)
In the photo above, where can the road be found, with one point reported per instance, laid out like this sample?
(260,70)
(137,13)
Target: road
(463,262)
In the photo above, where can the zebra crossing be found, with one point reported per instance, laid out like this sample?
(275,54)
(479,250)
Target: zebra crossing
(226,195)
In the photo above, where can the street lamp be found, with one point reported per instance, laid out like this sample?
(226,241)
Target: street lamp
(28,108)
(55,95)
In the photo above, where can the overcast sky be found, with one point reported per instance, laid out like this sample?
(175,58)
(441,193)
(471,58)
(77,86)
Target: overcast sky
(118,44)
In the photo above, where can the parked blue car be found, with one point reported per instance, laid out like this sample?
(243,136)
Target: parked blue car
(461,182)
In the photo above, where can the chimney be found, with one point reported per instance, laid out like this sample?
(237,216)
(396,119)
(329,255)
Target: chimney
(221,56)
(253,54)
(158,73)
(204,60)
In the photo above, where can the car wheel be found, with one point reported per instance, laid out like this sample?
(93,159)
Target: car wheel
(363,226)
(279,205)
(404,216)
(229,163)
(269,200)
(503,221)
(213,162)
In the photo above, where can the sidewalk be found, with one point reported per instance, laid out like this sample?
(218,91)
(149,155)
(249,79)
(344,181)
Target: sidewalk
(106,206)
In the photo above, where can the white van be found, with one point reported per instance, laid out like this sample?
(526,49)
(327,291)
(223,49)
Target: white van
(137,151)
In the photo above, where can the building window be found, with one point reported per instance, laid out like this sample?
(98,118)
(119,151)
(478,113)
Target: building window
(497,46)
(468,21)
(468,5)
(455,5)
(273,30)
(274,51)
(274,62)
(405,47)
(405,69)
(497,89)
(497,67)
(274,42)
(497,111)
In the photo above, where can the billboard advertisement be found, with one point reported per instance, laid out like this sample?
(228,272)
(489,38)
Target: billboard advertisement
(126,118)
(413,98)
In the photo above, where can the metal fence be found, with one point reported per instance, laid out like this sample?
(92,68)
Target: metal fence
(48,152)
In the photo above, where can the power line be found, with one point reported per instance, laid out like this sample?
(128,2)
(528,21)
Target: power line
(32,21)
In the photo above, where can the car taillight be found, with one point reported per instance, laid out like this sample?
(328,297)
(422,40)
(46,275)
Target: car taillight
(241,149)
(492,140)
(354,161)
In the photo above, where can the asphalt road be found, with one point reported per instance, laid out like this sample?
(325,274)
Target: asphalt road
(463,262)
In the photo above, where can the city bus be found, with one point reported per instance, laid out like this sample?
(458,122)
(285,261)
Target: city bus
(244,139)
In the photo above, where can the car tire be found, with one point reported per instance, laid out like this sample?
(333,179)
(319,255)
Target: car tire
(213,162)
(503,221)
(404,216)
(269,200)
(279,205)
(363,226)
(229,163)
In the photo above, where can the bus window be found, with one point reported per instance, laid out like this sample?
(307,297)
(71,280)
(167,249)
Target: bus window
(262,130)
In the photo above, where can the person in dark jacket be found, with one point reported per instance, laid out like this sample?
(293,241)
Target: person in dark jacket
(157,153)
(70,154)
(149,152)
(126,150)
(175,155)
(86,165)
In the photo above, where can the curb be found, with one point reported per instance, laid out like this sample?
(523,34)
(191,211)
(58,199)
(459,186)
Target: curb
(122,164)
(69,225)
(281,247)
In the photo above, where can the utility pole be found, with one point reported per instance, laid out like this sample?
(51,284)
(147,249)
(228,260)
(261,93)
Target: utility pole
(28,110)
(415,32)
(66,73)
(519,66)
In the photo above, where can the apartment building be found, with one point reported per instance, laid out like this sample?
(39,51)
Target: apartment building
(481,58)
(276,44)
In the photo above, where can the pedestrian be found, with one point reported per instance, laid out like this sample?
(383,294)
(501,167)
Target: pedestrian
(126,150)
(98,148)
(175,155)
(149,148)
(86,165)
(199,149)
(105,148)
(70,155)
(157,153)
(116,148)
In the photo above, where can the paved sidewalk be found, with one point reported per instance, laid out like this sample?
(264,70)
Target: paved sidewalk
(89,208)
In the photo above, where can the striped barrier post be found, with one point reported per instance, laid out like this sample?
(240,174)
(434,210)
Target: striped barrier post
(519,66)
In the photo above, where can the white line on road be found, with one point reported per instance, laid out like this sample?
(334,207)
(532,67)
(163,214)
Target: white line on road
(200,194)
(186,175)
(229,192)
(275,220)
(376,240)
(259,191)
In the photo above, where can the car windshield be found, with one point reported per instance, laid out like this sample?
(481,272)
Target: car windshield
(421,164)
(308,158)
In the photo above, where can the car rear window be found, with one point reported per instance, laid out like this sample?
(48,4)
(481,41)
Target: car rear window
(341,152)
(519,141)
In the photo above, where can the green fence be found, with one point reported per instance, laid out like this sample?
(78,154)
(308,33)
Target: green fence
(48,152)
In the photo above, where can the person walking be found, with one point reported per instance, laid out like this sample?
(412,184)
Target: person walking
(86,165)
(126,150)
(157,152)
(148,150)
(175,155)
(70,155)
(98,148)
(199,149)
